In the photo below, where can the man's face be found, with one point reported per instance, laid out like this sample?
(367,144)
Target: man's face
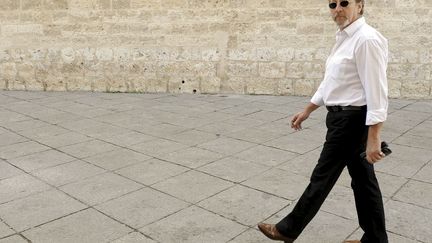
(344,16)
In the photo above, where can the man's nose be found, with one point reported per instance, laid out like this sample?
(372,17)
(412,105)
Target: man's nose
(338,8)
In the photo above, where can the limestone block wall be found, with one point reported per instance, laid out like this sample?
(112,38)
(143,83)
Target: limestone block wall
(205,46)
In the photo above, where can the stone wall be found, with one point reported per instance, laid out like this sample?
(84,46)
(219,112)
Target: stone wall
(205,46)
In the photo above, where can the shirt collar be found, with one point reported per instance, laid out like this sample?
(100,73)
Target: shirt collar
(353,27)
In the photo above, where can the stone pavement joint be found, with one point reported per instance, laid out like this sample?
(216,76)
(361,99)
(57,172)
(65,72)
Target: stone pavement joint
(118,167)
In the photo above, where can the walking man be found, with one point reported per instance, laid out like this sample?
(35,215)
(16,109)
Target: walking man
(354,91)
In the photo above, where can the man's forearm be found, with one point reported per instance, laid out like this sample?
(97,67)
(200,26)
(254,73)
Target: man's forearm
(373,148)
(311,107)
(375,131)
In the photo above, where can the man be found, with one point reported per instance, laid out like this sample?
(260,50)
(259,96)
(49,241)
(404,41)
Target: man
(354,90)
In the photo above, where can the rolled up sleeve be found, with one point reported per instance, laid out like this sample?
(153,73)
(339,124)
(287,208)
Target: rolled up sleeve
(371,60)
(317,98)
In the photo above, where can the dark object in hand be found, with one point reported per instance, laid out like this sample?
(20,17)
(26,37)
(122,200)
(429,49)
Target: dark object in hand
(384,148)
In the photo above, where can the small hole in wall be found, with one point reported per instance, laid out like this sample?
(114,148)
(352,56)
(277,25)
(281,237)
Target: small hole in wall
(183,81)
(179,88)
(194,91)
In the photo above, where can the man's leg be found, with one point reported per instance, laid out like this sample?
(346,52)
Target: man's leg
(368,200)
(323,178)
(346,130)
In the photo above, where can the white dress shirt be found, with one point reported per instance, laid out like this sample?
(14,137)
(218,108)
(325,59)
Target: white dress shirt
(356,72)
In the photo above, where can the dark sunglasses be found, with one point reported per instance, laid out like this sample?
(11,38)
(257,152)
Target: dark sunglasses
(342,3)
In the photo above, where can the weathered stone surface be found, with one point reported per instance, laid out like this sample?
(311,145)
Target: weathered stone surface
(106,45)
(304,87)
(9,5)
(272,70)
(415,89)
(394,88)
(261,86)
(158,85)
(210,85)
(216,165)
(285,87)
(8,71)
(55,4)
(2,84)
(234,85)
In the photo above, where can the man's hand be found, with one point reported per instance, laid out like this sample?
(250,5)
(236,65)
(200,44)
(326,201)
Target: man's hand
(298,118)
(373,147)
(373,151)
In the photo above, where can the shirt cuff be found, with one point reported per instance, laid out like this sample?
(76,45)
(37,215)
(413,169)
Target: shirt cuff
(317,100)
(376,116)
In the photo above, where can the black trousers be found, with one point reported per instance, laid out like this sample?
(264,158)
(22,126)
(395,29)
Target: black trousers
(345,140)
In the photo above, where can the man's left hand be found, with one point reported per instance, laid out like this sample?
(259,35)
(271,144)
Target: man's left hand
(373,150)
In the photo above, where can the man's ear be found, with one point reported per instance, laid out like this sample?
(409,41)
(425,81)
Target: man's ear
(361,8)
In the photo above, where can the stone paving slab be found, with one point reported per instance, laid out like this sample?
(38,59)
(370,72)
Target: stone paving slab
(325,227)
(255,135)
(117,159)
(7,138)
(233,169)
(67,173)
(41,160)
(409,220)
(227,146)
(266,155)
(193,186)
(87,148)
(13,239)
(298,142)
(43,132)
(425,173)
(37,209)
(194,224)
(279,182)
(16,150)
(5,230)
(244,205)
(100,188)
(7,170)
(63,139)
(151,171)
(169,168)
(393,238)
(142,207)
(85,226)
(20,186)
(134,237)
(192,157)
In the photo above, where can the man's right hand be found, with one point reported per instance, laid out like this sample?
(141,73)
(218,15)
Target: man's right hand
(298,118)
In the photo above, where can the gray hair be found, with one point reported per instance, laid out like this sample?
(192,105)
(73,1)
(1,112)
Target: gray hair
(362,3)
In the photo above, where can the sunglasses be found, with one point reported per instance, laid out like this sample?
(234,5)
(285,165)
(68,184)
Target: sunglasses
(342,4)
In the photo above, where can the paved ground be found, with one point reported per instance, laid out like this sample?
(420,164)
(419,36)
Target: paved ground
(97,167)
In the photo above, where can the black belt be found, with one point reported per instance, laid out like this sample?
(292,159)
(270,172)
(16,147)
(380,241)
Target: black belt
(337,108)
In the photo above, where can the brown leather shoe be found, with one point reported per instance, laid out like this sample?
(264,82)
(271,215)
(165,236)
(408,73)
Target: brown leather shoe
(271,232)
(352,241)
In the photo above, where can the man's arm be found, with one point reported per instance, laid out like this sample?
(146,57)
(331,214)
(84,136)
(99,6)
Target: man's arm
(373,148)
(301,116)
(371,59)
